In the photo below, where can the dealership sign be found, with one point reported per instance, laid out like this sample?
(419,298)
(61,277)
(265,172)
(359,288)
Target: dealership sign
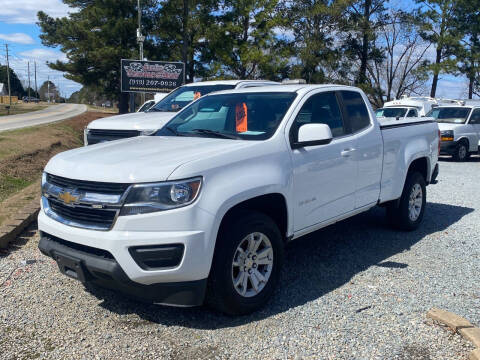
(151,76)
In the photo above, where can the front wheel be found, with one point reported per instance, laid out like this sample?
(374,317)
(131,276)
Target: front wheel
(246,265)
(407,214)
(461,152)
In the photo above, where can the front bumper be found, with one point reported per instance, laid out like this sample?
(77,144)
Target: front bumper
(91,265)
(447,147)
(159,229)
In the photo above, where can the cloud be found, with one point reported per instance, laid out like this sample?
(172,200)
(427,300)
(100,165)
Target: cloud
(25,11)
(19,38)
(42,55)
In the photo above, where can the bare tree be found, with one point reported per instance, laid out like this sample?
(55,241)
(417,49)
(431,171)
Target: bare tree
(402,68)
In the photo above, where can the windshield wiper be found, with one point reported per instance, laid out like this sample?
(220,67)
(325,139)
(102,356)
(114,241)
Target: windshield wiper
(172,130)
(216,133)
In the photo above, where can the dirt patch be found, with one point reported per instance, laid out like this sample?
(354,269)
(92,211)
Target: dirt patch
(25,152)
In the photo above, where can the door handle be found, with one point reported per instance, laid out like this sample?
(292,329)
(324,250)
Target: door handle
(347,152)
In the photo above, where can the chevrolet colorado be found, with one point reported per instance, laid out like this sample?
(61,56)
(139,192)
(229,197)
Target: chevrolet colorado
(201,211)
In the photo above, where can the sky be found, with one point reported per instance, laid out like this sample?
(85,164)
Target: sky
(18,29)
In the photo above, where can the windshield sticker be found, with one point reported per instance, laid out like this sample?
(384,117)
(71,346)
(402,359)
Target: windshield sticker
(241,117)
(197,95)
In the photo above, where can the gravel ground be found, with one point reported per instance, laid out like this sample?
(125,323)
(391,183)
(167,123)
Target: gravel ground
(355,290)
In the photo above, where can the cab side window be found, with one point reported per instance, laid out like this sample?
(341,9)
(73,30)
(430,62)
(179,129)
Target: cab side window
(475,118)
(412,113)
(356,114)
(320,108)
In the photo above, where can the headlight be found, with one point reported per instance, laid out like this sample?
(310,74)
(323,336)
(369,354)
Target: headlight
(147,132)
(147,198)
(44,179)
(446,135)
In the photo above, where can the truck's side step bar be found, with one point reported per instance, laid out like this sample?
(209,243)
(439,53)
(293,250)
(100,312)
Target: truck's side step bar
(391,126)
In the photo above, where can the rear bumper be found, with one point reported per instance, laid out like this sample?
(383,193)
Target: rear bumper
(91,265)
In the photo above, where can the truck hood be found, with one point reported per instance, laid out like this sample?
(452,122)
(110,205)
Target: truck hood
(138,159)
(134,121)
(446,126)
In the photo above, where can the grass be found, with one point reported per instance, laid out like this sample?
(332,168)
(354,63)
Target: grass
(108,110)
(25,152)
(20,108)
(10,185)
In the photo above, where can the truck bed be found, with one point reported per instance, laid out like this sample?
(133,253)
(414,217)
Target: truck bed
(388,123)
(404,141)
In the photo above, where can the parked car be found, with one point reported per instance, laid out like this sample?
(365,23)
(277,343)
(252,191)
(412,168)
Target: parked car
(146,123)
(146,105)
(460,129)
(203,209)
(28,99)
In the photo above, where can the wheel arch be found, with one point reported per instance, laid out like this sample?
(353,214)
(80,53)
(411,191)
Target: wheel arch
(272,204)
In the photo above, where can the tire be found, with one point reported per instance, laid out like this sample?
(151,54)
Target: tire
(228,262)
(407,215)
(461,152)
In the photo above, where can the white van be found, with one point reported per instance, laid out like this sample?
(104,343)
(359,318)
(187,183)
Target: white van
(459,128)
(146,123)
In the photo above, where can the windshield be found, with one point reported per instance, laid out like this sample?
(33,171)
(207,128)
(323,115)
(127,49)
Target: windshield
(391,112)
(248,116)
(184,95)
(147,105)
(454,115)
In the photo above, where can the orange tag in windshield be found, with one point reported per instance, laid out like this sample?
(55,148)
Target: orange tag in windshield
(241,117)
(196,95)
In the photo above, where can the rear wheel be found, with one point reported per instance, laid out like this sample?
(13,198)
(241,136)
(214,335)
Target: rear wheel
(461,152)
(407,213)
(246,265)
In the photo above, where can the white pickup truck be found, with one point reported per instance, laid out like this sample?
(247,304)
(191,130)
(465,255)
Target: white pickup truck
(202,210)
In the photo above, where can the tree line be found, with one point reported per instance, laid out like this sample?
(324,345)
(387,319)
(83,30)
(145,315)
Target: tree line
(388,48)
(48,88)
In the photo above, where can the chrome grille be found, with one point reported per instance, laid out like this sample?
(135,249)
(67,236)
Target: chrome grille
(91,186)
(83,204)
(84,215)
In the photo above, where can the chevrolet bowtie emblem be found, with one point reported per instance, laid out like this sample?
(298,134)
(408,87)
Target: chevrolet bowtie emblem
(67,197)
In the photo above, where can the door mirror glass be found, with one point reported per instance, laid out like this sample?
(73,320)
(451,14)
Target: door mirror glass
(313,134)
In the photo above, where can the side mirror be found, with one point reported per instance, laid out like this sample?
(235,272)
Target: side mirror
(313,134)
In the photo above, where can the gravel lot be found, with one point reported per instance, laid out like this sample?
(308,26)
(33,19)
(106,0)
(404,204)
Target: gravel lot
(355,290)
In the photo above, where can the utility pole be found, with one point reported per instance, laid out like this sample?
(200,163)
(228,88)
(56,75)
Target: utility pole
(29,81)
(36,90)
(140,40)
(8,80)
(48,88)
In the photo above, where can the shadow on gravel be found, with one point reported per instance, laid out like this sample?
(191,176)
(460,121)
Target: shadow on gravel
(19,241)
(314,265)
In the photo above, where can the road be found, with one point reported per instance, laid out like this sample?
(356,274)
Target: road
(50,114)
(357,290)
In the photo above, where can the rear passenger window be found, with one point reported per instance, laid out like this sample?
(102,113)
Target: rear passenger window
(320,108)
(356,113)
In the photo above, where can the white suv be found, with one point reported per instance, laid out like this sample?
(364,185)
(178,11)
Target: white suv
(146,123)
